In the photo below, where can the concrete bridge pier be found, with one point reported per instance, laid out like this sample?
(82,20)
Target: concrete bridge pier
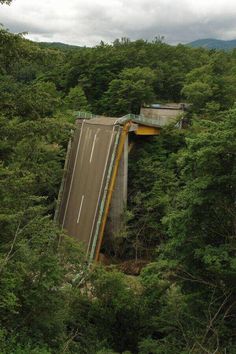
(119,196)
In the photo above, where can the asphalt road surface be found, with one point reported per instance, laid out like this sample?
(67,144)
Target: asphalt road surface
(91,151)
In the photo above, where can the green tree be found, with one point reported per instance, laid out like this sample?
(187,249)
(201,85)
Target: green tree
(126,94)
(5,2)
(192,283)
(38,100)
(152,185)
(212,84)
(76,99)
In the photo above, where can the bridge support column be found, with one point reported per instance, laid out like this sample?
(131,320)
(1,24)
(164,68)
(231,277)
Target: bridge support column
(119,196)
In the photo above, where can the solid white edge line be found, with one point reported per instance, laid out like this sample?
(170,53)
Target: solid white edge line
(72,177)
(80,208)
(94,141)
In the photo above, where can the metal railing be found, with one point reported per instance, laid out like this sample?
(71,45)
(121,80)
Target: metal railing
(158,122)
(141,119)
(84,115)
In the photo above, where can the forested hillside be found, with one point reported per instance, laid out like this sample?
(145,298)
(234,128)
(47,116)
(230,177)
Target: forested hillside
(181,215)
(212,43)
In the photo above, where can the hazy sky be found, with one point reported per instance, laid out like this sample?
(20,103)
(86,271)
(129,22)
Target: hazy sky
(87,22)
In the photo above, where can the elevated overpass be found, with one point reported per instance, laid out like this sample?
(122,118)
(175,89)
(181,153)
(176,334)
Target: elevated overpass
(96,175)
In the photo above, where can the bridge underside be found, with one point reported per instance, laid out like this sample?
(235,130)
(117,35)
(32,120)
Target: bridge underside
(146,130)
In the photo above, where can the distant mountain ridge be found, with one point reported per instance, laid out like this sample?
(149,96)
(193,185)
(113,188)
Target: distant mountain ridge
(57,45)
(211,43)
(208,43)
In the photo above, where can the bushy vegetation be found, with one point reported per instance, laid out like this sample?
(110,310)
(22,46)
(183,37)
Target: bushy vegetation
(181,213)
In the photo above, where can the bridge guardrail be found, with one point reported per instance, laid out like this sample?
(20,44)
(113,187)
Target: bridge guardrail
(85,115)
(157,122)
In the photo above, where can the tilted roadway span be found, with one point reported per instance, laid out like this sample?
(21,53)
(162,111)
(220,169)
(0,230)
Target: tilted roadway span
(90,175)
(92,154)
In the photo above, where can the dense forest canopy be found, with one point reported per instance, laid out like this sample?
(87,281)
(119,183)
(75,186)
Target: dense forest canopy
(181,213)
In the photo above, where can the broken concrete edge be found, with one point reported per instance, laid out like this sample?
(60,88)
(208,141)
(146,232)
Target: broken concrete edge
(157,122)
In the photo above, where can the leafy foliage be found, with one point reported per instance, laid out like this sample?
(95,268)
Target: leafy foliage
(133,88)
(190,288)
(5,1)
(180,217)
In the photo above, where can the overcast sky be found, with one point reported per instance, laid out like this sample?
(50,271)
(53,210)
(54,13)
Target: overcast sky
(87,22)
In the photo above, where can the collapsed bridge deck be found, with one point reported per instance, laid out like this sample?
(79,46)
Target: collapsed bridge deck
(91,170)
